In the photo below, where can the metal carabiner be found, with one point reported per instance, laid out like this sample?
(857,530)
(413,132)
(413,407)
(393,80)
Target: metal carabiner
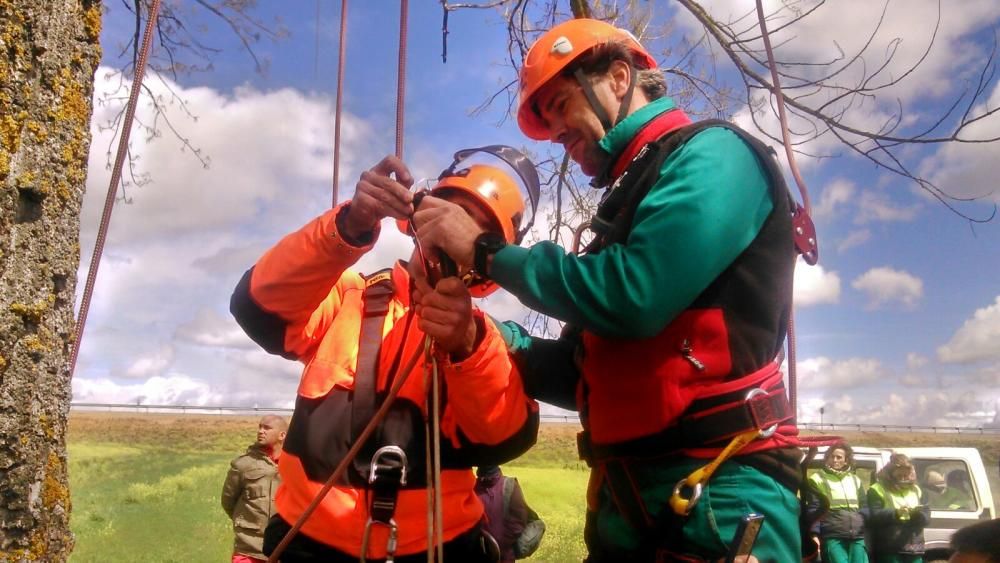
(390,544)
(764,432)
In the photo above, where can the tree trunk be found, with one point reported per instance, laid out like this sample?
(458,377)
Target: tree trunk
(49,51)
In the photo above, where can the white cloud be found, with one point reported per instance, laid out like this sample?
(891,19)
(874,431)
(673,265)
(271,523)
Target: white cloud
(826,373)
(209,328)
(152,365)
(915,361)
(970,169)
(815,286)
(835,195)
(877,207)
(175,252)
(913,380)
(977,340)
(885,286)
(855,238)
(158,390)
(942,409)
(948,62)
(843,28)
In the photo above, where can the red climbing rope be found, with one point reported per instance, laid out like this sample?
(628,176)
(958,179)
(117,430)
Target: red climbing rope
(340,97)
(776,90)
(810,255)
(401,77)
(116,176)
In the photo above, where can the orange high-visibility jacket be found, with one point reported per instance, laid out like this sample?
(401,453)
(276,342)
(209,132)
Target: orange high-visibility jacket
(301,301)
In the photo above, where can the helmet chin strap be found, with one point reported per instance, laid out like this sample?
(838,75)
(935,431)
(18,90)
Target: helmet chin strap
(595,104)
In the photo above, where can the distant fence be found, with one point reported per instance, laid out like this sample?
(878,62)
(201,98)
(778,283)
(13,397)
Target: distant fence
(222,410)
(899,428)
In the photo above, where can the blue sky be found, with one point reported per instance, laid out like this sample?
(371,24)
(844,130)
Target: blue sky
(900,323)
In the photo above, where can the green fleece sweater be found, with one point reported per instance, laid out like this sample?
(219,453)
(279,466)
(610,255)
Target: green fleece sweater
(709,203)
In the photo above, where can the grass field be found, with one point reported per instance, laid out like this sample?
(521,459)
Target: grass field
(145,487)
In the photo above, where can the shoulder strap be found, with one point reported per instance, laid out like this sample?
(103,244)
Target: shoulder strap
(508,490)
(378,292)
(614,217)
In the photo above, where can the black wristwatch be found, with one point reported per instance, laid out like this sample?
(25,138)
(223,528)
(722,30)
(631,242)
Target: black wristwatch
(486,245)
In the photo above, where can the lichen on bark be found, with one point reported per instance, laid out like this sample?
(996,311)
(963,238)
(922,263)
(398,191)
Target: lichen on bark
(49,52)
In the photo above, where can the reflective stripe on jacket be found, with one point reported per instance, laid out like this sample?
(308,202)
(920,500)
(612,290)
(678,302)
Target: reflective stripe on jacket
(301,301)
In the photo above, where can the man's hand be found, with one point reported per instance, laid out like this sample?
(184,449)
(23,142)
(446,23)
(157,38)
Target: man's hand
(445,314)
(378,195)
(446,226)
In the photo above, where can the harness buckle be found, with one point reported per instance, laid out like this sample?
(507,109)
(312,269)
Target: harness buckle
(377,467)
(763,432)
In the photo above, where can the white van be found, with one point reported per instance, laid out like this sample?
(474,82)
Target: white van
(946,462)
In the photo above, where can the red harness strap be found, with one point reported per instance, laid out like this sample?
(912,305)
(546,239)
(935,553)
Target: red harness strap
(653,130)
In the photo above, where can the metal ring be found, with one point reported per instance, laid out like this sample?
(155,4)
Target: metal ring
(689,503)
(763,432)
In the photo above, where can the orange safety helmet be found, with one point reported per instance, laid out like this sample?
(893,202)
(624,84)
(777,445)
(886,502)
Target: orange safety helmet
(494,190)
(555,50)
(498,194)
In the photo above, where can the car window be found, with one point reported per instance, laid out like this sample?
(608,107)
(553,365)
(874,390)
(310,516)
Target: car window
(947,484)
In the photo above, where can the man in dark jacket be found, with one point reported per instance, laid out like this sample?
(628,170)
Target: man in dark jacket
(839,508)
(505,519)
(897,519)
(248,493)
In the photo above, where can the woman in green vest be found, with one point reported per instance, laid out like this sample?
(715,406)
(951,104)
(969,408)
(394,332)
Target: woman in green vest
(839,508)
(897,519)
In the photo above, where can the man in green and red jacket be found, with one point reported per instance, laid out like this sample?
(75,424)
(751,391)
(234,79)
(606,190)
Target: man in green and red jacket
(676,312)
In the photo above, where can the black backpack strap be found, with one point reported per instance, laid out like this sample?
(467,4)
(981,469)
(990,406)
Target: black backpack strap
(378,292)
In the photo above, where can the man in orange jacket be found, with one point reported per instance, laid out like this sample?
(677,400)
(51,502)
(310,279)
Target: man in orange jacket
(355,336)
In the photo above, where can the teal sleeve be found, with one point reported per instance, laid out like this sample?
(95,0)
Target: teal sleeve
(515,336)
(708,205)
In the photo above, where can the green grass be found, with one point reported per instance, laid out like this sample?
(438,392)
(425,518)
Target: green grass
(146,487)
(140,503)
